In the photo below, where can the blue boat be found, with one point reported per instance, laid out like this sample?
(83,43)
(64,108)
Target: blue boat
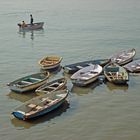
(72,68)
(40,105)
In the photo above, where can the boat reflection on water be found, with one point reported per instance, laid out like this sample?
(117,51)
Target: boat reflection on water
(21,97)
(87,89)
(32,33)
(48,117)
(113,87)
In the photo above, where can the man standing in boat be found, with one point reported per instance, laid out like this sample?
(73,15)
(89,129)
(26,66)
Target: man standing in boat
(31,19)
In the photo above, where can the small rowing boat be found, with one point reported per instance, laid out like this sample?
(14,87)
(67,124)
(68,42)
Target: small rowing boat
(35,26)
(51,86)
(116,74)
(86,75)
(133,66)
(40,105)
(50,62)
(29,82)
(123,57)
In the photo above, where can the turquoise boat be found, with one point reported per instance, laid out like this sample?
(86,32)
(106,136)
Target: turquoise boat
(40,105)
(29,82)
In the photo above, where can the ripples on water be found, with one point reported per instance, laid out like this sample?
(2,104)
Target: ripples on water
(76,30)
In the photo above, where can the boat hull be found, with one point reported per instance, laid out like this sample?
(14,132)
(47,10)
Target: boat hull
(116,74)
(28,88)
(86,75)
(35,26)
(22,116)
(50,62)
(133,67)
(28,83)
(123,57)
(50,67)
(40,105)
(83,83)
(51,86)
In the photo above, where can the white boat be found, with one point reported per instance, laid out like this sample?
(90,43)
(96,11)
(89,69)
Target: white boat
(86,75)
(133,66)
(34,26)
(52,86)
(50,62)
(123,57)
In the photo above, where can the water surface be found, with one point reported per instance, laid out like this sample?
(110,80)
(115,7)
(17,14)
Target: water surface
(77,30)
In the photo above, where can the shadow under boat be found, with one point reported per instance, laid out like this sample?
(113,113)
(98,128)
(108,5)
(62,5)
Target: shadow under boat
(54,70)
(47,117)
(86,89)
(21,97)
(113,87)
(31,32)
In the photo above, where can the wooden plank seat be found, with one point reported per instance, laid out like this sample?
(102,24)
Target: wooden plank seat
(38,107)
(54,84)
(26,82)
(47,62)
(53,101)
(79,67)
(36,79)
(51,87)
(31,105)
(84,78)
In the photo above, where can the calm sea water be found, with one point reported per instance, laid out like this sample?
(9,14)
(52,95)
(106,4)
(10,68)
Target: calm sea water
(77,30)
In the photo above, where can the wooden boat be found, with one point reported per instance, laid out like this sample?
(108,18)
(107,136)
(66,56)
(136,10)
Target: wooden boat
(50,62)
(51,86)
(86,75)
(72,68)
(116,74)
(28,83)
(123,57)
(35,26)
(40,105)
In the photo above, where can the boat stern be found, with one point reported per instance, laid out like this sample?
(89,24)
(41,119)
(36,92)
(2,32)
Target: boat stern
(19,114)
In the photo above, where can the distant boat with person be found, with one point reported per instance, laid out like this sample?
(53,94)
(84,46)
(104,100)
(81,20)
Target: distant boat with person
(34,26)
